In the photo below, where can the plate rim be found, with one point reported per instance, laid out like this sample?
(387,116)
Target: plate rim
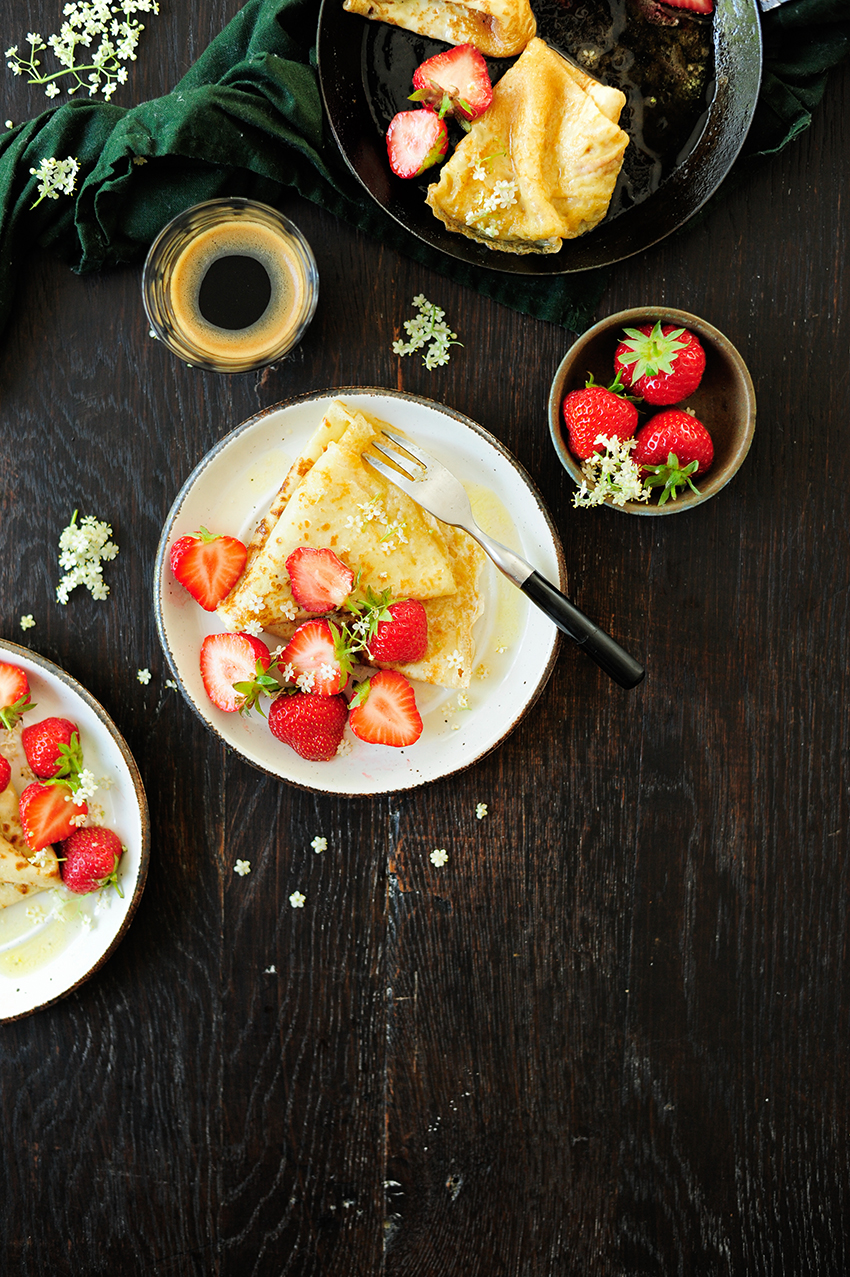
(330,393)
(62,676)
(542,266)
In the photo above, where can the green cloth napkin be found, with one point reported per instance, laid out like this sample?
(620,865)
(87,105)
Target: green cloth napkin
(247,120)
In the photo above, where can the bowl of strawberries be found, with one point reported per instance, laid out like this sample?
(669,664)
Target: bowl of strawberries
(651,411)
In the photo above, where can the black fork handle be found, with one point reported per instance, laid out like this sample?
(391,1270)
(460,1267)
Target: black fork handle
(600,647)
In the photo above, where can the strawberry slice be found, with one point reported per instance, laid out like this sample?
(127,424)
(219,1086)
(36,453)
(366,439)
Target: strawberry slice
(318,656)
(311,724)
(415,141)
(319,580)
(208,566)
(383,710)
(5,772)
(233,669)
(14,694)
(48,814)
(455,82)
(403,636)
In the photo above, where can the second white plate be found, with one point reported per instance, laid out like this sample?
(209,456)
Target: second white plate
(231,489)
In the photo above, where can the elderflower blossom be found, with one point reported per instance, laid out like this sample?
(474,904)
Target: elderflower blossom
(319,843)
(27,621)
(109,34)
(242,867)
(297,899)
(439,856)
(427,329)
(481,810)
(83,547)
(611,476)
(55,178)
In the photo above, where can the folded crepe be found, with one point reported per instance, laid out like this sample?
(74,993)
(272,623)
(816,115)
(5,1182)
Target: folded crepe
(331,499)
(19,875)
(498,28)
(540,165)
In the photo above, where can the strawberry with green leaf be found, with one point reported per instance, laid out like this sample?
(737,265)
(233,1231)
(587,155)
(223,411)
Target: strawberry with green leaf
(235,671)
(208,566)
(455,82)
(596,411)
(672,449)
(53,748)
(15,698)
(660,362)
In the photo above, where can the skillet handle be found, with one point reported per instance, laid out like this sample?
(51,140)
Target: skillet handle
(600,647)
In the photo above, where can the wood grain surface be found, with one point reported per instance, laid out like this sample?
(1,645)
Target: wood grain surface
(609,1037)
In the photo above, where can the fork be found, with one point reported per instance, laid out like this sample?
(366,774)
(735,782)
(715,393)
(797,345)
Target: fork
(439,492)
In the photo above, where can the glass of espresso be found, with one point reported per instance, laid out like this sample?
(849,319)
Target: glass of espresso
(230,285)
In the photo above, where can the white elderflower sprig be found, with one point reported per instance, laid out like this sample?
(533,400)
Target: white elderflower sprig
(430,329)
(83,548)
(55,178)
(611,475)
(104,34)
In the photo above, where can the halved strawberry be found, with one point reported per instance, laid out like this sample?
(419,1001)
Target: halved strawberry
(48,814)
(415,141)
(455,82)
(320,581)
(403,636)
(49,747)
(208,566)
(319,658)
(311,724)
(233,669)
(14,694)
(383,710)
(5,772)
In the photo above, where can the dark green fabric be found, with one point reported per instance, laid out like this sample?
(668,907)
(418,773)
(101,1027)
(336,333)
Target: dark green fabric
(247,120)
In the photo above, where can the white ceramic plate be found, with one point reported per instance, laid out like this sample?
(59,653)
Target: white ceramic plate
(42,958)
(232,488)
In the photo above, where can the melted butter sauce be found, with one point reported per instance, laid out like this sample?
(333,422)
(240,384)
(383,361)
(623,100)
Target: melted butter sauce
(508,605)
(27,942)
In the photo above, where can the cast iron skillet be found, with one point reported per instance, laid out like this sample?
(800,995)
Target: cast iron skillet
(365,72)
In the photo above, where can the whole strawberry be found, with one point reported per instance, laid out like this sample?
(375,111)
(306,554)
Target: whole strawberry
(594,411)
(52,746)
(90,860)
(402,636)
(660,362)
(311,724)
(671,449)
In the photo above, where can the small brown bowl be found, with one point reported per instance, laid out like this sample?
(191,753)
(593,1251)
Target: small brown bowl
(724,401)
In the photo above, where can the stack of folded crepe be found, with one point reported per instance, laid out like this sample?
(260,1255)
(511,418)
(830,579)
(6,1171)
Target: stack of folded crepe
(331,499)
(19,875)
(540,165)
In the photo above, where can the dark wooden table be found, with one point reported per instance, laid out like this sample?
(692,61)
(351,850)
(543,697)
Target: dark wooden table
(610,1036)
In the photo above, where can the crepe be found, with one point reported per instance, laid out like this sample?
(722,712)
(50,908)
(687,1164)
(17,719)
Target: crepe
(20,877)
(540,165)
(498,28)
(331,499)
(450,653)
(337,502)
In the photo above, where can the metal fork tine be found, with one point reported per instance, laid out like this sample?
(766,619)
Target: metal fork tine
(410,448)
(394,476)
(391,456)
